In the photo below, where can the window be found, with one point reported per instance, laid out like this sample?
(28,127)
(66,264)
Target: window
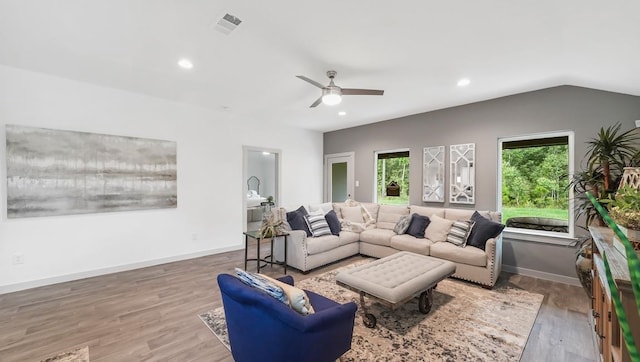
(392,177)
(533,189)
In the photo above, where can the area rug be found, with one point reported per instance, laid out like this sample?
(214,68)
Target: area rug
(76,355)
(466,323)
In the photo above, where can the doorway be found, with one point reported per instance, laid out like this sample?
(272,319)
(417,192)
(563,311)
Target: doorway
(260,185)
(339,176)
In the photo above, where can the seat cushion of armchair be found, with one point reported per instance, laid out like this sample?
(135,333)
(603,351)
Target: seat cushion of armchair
(408,242)
(377,236)
(468,255)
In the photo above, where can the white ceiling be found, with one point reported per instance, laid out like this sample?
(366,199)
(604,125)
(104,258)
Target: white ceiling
(415,50)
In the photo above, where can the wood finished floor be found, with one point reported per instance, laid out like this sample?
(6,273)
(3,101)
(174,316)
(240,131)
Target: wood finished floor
(150,314)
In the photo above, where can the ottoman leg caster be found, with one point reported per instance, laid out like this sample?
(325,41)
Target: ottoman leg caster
(368,319)
(425,301)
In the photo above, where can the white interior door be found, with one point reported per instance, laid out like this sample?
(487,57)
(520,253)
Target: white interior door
(339,180)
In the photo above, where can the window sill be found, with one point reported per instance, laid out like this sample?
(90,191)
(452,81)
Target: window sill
(537,236)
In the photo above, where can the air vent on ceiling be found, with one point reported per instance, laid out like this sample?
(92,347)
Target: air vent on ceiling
(227,24)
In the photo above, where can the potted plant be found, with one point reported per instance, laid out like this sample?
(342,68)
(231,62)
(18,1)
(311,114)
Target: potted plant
(625,211)
(607,155)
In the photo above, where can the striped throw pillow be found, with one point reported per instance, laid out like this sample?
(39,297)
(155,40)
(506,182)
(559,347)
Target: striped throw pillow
(318,225)
(459,232)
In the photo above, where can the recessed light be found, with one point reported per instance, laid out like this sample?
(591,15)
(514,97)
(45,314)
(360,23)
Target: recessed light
(342,113)
(463,82)
(185,63)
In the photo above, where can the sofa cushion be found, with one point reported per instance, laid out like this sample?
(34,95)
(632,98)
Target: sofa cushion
(333,222)
(483,230)
(322,244)
(458,214)
(348,237)
(324,207)
(296,220)
(352,213)
(459,232)
(468,255)
(426,211)
(438,229)
(402,225)
(389,215)
(417,225)
(410,243)
(377,236)
(317,224)
(463,214)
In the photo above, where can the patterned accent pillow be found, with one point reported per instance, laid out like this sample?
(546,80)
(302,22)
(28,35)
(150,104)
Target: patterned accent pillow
(402,225)
(258,282)
(318,225)
(298,298)
(459,232)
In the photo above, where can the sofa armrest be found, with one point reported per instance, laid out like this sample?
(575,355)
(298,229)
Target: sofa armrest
(493,249)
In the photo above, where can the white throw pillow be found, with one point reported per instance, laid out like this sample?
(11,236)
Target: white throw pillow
(438,229)
(353,213)
(325,208)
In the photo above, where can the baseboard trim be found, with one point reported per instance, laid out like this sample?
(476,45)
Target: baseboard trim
(541,275)
(10,288)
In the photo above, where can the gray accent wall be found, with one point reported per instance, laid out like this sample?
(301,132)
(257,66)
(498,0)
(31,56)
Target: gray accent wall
(563,108)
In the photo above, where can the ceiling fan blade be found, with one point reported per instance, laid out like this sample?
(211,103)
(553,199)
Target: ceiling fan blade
(361,92)
(310,81)
(315,104)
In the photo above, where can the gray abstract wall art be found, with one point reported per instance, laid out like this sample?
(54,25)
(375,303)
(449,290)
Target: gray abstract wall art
(54,172)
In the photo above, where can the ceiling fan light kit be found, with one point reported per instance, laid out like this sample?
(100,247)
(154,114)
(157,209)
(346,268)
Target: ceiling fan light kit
(332,94)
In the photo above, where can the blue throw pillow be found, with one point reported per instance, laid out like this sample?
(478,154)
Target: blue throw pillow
(334,223)
(417,225)
(483,230)
(258,282)
(296,220)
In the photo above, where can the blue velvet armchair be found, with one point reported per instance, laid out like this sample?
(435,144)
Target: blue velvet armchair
(262,328)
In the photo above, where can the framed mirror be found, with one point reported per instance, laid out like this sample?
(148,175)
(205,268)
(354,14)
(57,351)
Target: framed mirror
(462,177)
(433,174)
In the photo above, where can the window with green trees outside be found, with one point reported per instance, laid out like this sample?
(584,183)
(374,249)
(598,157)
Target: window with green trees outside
(392,166)
(535,177)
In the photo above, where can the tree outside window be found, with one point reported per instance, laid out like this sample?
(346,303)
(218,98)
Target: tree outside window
(392,167)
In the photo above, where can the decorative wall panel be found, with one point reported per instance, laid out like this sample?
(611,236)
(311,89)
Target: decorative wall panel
(433,174)
(462,176)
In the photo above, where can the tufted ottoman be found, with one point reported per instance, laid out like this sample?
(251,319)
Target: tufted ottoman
(396,279)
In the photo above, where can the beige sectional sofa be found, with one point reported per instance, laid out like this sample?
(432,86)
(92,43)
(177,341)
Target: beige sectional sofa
(380,240)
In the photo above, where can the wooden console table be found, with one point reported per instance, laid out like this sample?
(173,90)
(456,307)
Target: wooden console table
(608,334)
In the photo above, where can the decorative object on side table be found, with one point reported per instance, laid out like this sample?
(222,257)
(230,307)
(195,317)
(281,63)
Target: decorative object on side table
(272,225)
(625,211)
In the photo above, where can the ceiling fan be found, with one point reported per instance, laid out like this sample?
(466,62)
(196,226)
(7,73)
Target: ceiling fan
(332,94)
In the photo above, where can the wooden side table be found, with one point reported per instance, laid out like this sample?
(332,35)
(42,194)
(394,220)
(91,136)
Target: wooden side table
(268,259)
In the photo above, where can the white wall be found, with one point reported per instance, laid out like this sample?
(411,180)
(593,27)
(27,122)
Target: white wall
(209,180)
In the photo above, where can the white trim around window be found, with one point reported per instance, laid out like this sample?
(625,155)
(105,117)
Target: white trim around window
(536,235)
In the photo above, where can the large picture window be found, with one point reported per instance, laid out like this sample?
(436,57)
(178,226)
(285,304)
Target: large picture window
(534,176)
(392,168)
